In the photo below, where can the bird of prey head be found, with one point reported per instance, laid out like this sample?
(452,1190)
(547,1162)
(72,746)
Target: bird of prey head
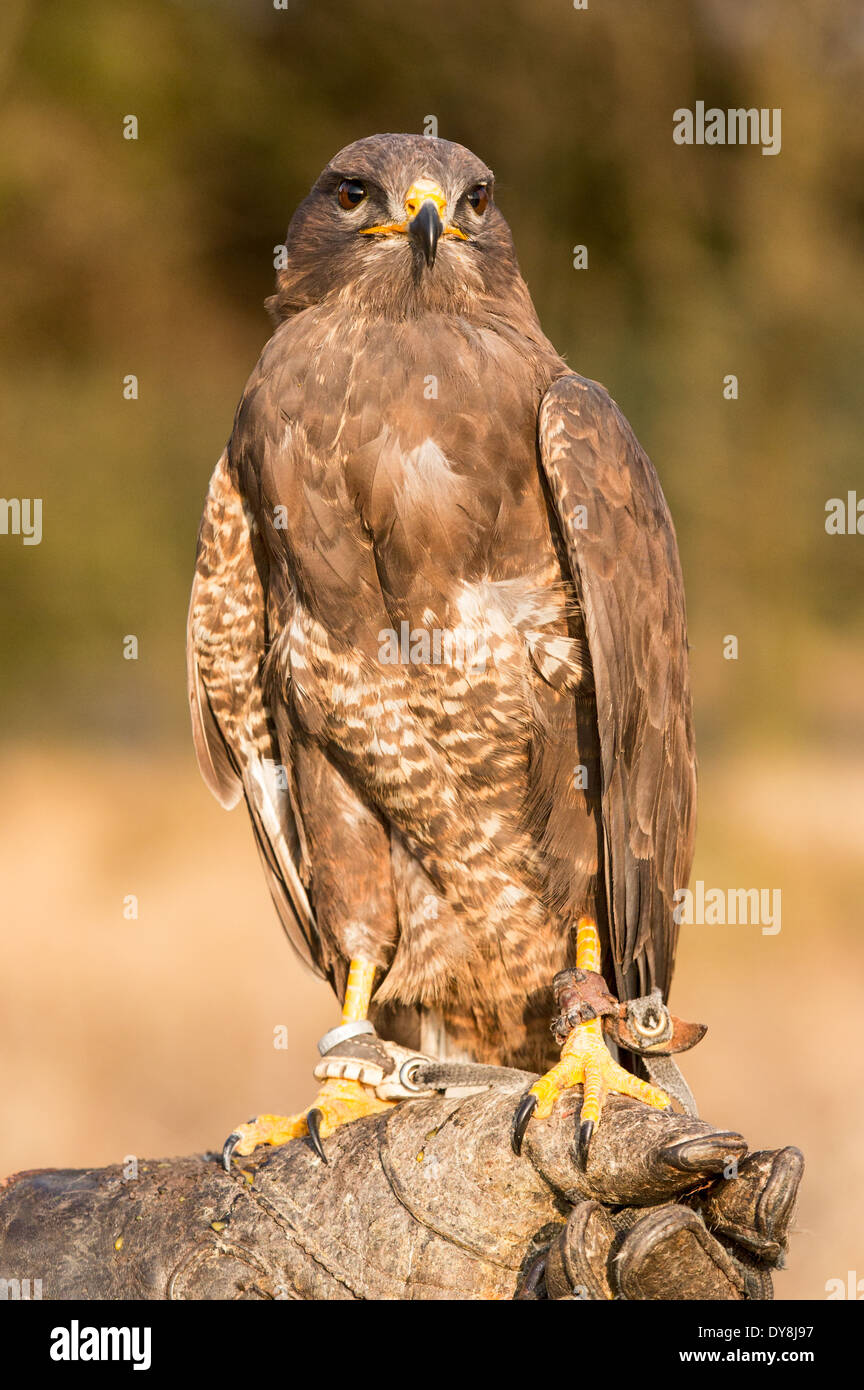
(397,224)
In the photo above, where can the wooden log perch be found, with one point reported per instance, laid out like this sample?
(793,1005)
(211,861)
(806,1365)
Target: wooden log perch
(427,1201)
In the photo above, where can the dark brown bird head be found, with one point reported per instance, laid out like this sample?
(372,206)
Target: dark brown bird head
(397,224)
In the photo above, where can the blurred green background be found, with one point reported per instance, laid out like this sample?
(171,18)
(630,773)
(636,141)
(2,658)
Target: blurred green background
(154,256)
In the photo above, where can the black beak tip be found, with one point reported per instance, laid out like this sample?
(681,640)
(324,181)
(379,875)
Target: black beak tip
(426,228)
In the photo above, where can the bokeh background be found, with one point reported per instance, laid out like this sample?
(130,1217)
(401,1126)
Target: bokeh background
(154,1036)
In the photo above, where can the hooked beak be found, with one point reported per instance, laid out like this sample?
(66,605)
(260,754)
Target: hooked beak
(425,206)
(425,229)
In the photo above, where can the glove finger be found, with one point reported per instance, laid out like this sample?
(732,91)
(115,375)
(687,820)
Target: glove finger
(755,1208)
(669,1254)
(577,1264)
(638,1156)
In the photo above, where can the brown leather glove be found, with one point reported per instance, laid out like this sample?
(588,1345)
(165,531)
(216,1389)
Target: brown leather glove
(667,1208)
(424,1201)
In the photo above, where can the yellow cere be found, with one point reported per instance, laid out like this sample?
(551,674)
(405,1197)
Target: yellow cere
(421,191)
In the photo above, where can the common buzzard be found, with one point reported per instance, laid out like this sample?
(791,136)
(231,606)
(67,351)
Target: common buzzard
(437,636)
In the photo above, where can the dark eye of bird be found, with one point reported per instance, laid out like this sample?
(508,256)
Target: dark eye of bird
(351,192)
(478,197)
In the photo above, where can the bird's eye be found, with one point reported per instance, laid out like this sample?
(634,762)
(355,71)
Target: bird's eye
(478,197)
(350,193)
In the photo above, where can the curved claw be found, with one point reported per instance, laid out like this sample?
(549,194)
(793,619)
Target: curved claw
(707,1153)
(313,1122)
(228,1149)
(527,1106)
(586,1129)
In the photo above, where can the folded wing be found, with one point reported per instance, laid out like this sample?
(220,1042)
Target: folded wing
(235,741)
(623,557)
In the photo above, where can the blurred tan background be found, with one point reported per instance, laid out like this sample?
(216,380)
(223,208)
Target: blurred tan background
(153,257)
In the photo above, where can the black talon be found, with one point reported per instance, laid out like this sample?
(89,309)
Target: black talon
(586,1129)
(705,1153)
(527,1106)
(313,1120)
(228,1149)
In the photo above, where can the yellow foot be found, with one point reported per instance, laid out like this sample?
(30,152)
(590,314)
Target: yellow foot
(337,1103)
(585,1061)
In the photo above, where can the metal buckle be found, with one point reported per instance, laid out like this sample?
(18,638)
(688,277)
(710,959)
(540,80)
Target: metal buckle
(650,1019)
(408,1073)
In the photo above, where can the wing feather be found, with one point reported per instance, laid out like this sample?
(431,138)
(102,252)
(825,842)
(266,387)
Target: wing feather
(235,740)
(623,557)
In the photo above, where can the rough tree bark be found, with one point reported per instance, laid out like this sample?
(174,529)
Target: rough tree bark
(428,1201)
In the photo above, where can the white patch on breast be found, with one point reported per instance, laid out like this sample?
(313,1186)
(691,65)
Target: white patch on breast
(514,613)
(428,479)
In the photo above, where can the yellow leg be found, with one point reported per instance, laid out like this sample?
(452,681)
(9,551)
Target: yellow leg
(585,1061)
(337,1102)
(358,990)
